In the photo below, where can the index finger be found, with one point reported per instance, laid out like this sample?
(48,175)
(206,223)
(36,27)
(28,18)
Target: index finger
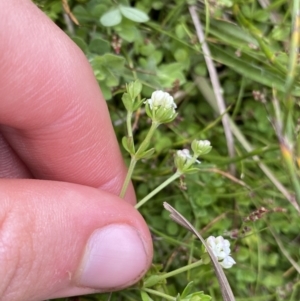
(52,111)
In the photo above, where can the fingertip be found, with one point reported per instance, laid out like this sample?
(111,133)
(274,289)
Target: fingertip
(119,252)
(68,239)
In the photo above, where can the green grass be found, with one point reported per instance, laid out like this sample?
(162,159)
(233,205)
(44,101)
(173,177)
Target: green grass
(253,49)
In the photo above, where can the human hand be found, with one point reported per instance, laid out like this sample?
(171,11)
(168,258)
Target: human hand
(63,229)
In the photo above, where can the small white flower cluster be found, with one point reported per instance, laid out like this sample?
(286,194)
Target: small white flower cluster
(161,107)
(221,249)
(184,160)
(185,155)
(203,143)
(161,99)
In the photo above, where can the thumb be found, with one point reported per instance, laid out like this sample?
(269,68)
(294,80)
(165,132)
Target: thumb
(60,239)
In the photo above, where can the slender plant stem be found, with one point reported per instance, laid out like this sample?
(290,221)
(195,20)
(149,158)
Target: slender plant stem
(158,189)
(134,158)
(128,176)
(181,270)
(128,124)
(144,145)
(158,293)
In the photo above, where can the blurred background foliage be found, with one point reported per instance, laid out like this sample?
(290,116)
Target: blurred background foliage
(254,46)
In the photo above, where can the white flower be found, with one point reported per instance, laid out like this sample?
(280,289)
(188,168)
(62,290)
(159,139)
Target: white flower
(203,143)
(201,147)
(161,99)
(184,161)
(161,107)
(228,262)
(221,249)
(184,154)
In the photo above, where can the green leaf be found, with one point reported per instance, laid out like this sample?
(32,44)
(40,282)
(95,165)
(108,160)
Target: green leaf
(198,296)
(99,46)
(111,18)
(134,88)
(114,62)
(154,280)
(81,14)
(105,90)
(98,10)
(147,154)
(145,296)
(147,49)
(128,104)
(112,80)
(280,33)
(80,43)
(181,55)
(262,15)
(133,14)
(128,32)
(100,74)
(109,63)
(187,289)
(169,73)
(108,69)
(180,31)
(128,144)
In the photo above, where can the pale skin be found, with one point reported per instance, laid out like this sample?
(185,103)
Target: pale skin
(61,170)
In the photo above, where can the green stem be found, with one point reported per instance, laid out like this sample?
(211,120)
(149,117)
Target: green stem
(160,294)
(155,279)
(128,124)
(144,145)
(128,177)
(157,189)
(135,157)
(181,270)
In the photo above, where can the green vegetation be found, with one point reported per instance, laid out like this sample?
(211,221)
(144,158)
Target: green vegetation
(248,187)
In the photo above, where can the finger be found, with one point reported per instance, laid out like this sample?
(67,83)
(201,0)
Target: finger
(10,164)
(55,117)
(67,239)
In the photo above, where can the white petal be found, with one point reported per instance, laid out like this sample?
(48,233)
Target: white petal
(211,240)
(150,102)
(219,240)
(228,262)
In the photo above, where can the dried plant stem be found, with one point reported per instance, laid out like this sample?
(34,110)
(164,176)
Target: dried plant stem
(215,84)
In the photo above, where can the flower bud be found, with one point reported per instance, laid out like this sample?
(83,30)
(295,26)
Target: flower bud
(201,147)
(134,89)
(129,98)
